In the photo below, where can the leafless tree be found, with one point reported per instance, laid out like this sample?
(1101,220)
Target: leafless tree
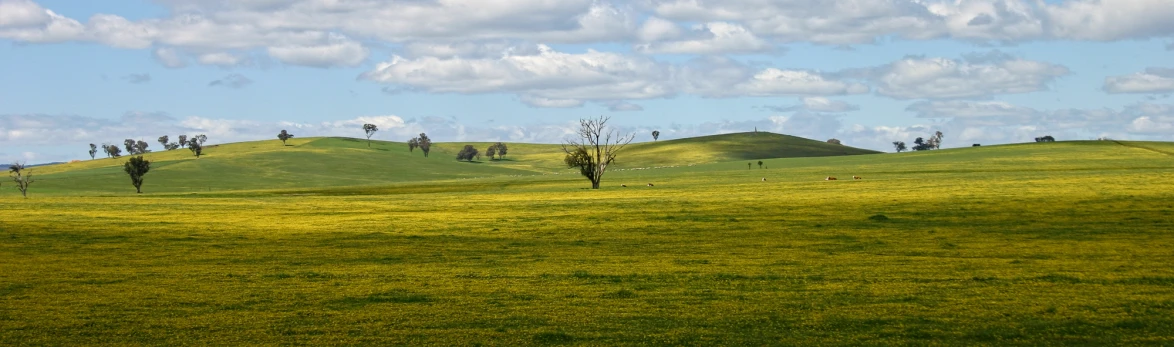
(595,149)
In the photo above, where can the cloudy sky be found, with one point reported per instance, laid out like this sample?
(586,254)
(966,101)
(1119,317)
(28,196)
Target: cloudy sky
(867,72)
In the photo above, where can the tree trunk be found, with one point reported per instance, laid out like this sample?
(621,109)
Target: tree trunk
(594,184)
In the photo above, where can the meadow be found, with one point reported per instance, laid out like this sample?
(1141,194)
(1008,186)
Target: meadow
(1065,243)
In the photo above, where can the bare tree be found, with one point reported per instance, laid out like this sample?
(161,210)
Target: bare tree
(937,140)
(93,151)
(22,177)
(370,129)
(595,149)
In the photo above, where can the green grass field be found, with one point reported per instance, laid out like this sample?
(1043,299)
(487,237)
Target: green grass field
(328,242)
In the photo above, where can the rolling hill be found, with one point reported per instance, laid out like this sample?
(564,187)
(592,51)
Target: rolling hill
(332,162)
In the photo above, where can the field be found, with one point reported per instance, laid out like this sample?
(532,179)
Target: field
(1034,244)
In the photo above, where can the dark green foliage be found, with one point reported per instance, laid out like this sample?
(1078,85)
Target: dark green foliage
(834,142)
(584,161)
(137,167)
(183,141)
(424,143)
(113,151)
(467,153)
(283,136)
(129,144)
(899,146)
(491,151)
(195,146)
(1047,138)
(164,140)
(655,135)
(921,145)
(141,147)
(760,164)
(412,144)
(879,217)
(370,129)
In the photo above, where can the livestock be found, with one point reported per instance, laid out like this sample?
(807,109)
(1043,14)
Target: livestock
(650,184)
(857,177)
(830,178)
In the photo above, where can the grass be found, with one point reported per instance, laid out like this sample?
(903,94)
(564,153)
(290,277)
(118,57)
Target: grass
(1059,243)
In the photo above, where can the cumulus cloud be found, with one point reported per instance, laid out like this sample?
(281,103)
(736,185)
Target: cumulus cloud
(169,58)
(548,78)
(220,59)
(815,104)
(981,75)
(339,51)
(136,78)
(709,38)
(235,81)
(622,106)
(1152,80)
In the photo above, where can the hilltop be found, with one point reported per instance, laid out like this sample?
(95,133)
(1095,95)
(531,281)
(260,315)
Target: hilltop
(331,162)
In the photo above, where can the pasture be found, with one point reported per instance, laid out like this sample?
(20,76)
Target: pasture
(1035,244)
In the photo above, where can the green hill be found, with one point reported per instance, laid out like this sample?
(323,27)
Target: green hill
(331,162)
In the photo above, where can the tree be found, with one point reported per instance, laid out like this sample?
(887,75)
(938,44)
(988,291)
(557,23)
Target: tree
(1046,138)
(93,151)
(491,151)
(937,143)
(172,146)
(412,144)
(834,142)
(900,146)
(595,149)
(283,136)
(114,151)
(424,143)
(760,165)
(921,145)
(195,146)
(137,167)
(183,141)
(130,146)
(467,153)
(655,135)
(141,147)
(201,138)
(163,140)
(22,177)
(748,165)
(370,129)
(501,149)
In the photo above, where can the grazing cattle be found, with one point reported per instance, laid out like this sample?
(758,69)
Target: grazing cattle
(764,179)
(830,178)
(650,184)
(624,185)
(857,177)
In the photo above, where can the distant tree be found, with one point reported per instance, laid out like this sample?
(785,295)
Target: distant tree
(595,149)
(163,140)
(412,144)
(491,151)
(748,165)
(920,144)
(834,142)
(137,167)
(655,135)
(93,151)
(201,138)
(976,145)
(937,142)
(114,151)
(760,165)
(900,146)
(370,129)
(424,143)
(141,147)
(501,149)
(183,141)
(195,146)
(130,146)
(283,136)
(1047,138)
(22,177)
(467,153)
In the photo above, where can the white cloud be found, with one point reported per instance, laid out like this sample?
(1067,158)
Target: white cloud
(220,59)
(169,58)
(622,106)
(22,13)
(538,101)
(815,104)
(1107,20)
(979,76)
(235,81)
(658,29)
(709,38)
(1153,80)
(339,51)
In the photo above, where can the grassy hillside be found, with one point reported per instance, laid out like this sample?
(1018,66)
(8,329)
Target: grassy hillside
(1062,243)
(334,162)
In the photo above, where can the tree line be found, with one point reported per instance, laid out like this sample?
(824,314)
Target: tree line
(139,147)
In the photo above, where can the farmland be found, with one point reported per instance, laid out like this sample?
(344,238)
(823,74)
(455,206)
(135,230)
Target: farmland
(1057,243)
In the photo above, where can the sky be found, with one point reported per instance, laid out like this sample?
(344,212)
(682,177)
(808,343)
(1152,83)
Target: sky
(866,72)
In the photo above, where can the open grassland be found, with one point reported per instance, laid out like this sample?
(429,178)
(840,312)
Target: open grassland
(1061,243)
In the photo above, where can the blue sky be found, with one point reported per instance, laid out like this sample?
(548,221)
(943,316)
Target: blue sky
(867,72)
